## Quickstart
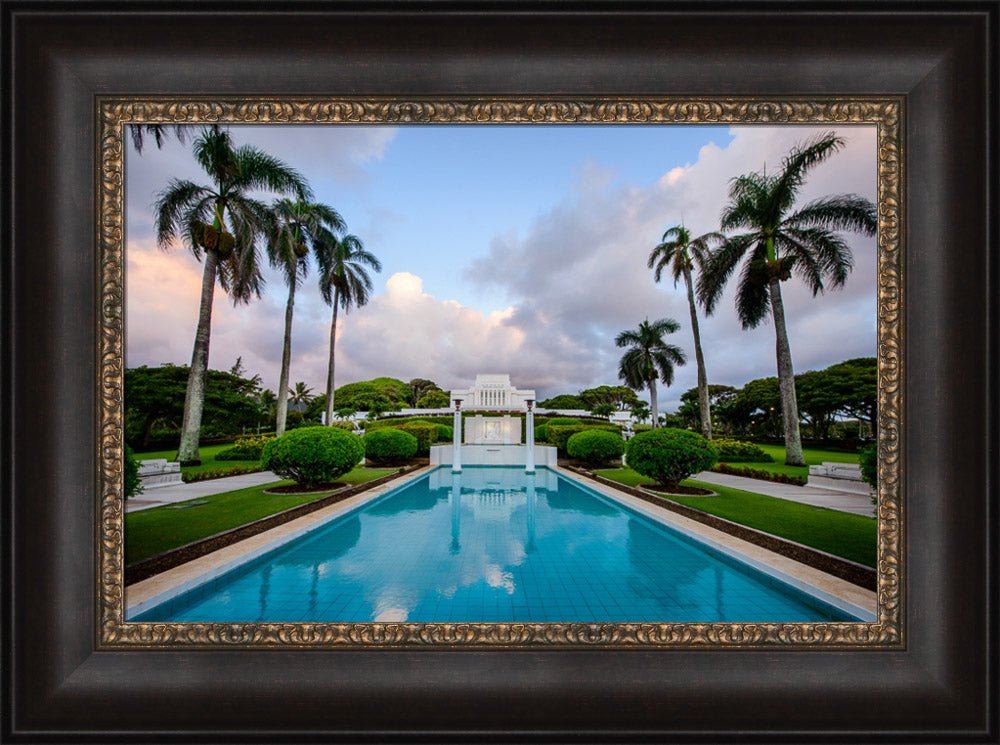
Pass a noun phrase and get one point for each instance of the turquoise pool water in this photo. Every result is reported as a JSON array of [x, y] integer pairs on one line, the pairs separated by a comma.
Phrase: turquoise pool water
[[494, 545]]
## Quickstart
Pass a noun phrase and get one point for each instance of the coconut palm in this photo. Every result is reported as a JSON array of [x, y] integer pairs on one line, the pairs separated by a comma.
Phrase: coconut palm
[[300, 394], [298, 227], [221, 224], [779, 243], [343, 283], [649, 357], [677, 249]]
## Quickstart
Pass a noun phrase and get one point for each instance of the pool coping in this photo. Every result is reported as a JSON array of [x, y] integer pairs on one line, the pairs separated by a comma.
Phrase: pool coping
[[840, 593]]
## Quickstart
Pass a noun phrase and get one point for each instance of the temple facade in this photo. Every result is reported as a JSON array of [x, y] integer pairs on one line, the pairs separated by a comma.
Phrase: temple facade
[[493, 391]]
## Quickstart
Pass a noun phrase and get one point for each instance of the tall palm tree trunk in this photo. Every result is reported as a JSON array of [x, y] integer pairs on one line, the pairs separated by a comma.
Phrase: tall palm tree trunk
[[286, 356], [329, 370], [652, 403], [786, 380], [704, 405], [194, 398]]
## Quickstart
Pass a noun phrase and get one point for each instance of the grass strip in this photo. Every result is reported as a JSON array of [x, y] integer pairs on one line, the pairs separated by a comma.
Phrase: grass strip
[[153, 531], [813, 457], [843, 534]]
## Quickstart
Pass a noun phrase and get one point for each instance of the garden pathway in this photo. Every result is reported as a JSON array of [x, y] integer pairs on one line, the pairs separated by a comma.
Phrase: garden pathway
[[829, 498], [161, 495]]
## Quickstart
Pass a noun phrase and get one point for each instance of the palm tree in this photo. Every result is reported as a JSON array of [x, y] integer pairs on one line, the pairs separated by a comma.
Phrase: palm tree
[[649, 357], [343, 282], [157, 131], [780, 242], [300, 394], [298, 227], [200, 216], [679, 251]]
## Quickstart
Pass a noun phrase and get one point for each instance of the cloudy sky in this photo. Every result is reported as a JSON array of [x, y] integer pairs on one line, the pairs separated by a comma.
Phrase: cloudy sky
[[516, 249]]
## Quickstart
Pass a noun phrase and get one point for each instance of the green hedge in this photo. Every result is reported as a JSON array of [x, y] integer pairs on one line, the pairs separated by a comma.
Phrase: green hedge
[[559, 434], [313, 455], [445, 433], [389, 446], [595, 447]]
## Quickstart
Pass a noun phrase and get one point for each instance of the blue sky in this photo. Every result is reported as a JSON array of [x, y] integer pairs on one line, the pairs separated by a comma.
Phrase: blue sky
[[517, 249]]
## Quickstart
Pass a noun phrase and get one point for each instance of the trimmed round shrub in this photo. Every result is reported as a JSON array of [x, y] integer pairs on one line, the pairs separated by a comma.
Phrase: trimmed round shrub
[[540, 433], [130, 471], [595, 447], [445, 433], [669, 455], [738, 451], [313, 455], [389, 446], [559, 434]]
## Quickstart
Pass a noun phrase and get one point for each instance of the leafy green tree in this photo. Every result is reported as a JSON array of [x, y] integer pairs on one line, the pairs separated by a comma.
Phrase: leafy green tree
[[300, 227], [434, 400], [640, 411], [154, 398], [344, 282], [778, 243], [563, 401], [649, 357], [859, 378], [200, 216], [762, 397], [267, 404], [678, 250], [603, 410], [619, 396], [418, 388], [820, 396]]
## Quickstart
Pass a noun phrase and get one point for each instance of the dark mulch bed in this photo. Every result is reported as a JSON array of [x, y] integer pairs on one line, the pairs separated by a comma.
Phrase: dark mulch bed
[[683, 491], [296, 489]]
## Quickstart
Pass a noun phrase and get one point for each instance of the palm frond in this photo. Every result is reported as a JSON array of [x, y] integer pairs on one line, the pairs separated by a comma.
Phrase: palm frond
[[170, 207], [839, 212], [719, 266], [752, 296]]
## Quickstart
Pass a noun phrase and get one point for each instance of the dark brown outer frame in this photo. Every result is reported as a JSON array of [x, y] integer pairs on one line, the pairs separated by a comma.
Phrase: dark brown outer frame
[[57, 58]]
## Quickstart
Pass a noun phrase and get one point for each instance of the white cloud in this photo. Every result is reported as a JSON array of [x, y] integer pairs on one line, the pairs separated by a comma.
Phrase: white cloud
[[573, 278]]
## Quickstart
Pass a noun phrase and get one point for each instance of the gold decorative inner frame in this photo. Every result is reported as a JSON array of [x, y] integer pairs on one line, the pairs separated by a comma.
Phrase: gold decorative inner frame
[[114, 115]]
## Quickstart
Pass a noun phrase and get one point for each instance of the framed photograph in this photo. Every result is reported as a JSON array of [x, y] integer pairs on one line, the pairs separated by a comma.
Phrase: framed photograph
[[920, 85]]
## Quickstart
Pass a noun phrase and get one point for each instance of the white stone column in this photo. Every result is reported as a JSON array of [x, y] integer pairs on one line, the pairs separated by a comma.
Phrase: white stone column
[[456, 455], [529, 438]]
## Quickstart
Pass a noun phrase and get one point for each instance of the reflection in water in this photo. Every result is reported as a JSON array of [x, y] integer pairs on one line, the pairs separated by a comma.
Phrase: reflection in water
[[488, 544]]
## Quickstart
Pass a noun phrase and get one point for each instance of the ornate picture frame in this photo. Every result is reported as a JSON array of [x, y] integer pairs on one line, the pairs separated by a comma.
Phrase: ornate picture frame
[[115, 115], [73, 670]]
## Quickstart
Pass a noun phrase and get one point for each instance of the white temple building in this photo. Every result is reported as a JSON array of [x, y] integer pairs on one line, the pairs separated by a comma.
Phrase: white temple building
[[493, 391]]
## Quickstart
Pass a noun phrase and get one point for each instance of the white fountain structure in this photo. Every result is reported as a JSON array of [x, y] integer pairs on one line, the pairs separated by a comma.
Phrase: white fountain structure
[[493, 440]]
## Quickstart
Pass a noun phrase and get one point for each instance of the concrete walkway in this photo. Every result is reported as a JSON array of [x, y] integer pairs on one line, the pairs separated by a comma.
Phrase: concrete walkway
[[161, 495], [835, 500]]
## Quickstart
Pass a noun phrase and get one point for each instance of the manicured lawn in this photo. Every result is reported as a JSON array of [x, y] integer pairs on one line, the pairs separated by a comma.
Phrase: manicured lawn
[[208, 461], [850, 536], [813, 457], [149, 532]]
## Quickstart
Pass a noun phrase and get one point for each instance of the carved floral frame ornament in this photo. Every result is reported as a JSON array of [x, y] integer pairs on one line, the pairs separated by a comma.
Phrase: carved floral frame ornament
[[115, 114]]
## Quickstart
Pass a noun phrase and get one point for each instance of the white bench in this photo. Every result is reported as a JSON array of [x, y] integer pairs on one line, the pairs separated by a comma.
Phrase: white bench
[[159, 472], [839, 477]]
